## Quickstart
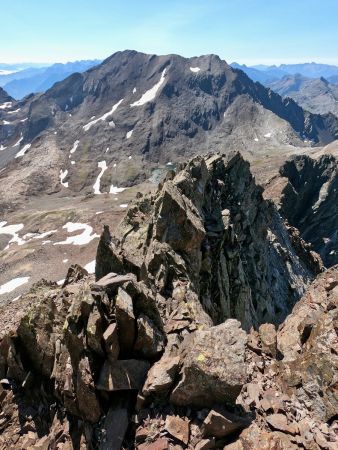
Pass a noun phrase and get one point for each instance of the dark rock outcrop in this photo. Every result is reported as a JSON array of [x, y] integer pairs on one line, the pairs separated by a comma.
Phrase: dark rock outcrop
[[209, 237], [308, 200]]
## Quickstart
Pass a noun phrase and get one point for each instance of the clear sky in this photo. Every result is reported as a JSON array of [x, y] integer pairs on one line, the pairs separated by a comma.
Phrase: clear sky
[[246, 31]]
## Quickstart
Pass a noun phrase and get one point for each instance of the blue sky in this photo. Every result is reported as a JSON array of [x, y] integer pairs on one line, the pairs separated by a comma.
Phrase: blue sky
[[246, 31]]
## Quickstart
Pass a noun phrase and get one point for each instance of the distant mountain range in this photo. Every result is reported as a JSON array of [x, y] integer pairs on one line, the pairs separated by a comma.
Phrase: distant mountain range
[[268, 74], [314, 94], [21, 80], [313, 86]]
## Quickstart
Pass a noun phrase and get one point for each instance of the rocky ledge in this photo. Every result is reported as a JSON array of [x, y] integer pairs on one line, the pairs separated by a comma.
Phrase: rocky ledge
[[176, 343]]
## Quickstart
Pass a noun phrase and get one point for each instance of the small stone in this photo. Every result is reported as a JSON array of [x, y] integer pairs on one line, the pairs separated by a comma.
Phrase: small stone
[[42, 444], [141, 434], [159, 444], [279, 422], [206, 444], [218, 425], [177, 427]]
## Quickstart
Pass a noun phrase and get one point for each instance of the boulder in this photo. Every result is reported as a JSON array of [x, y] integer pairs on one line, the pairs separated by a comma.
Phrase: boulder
[[214, 368], [268, 338], [161, 376]]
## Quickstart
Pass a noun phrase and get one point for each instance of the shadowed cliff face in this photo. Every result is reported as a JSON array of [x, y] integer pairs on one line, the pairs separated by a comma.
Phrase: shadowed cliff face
[[309, 200], [209, 227]]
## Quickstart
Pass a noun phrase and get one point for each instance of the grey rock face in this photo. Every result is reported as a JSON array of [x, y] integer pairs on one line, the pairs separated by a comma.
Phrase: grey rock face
[[308, 201]]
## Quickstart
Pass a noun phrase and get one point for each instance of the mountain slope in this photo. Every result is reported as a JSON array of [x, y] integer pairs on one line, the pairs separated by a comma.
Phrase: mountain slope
[[135, 112], [313, 94]]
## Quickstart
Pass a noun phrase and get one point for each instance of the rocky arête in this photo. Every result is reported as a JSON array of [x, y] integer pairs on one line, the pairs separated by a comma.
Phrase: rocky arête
[[192, 335]]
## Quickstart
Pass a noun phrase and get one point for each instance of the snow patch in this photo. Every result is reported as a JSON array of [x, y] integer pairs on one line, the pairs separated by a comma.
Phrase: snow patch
[[256, 139], [13, 284], [134, 90], [124, 205], [63, 174], [268, 135], [115, 190], [60, 282], [15, 111], [90, 267], [2, 147], [104, 117], [75, 146], [151, 93], [19, 142], [128, 135], [80, 239], [65, 260], [6, 105], [72, 163], [23, 150], [195, 69], [103, 166], [12, 230]]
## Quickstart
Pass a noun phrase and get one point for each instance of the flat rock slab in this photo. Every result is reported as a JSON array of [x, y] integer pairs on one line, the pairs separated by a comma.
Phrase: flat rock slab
[[111, 280], [125, 374]]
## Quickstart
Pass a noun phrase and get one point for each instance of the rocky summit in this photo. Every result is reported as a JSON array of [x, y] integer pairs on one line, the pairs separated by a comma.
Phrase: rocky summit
[[209, 324]]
